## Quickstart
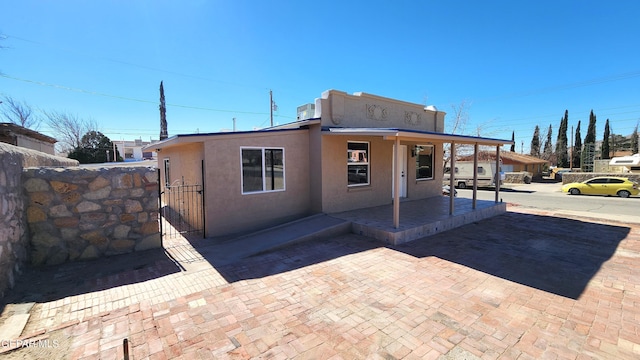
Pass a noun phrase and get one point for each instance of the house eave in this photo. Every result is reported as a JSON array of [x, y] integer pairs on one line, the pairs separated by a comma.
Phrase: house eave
[[415, 135]]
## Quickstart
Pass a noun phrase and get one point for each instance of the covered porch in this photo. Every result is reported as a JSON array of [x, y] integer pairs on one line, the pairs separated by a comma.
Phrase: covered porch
[[428, 216], [419, 218]]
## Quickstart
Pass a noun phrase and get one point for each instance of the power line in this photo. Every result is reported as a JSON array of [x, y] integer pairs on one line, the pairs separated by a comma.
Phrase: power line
[[89, 92], [72, 51]]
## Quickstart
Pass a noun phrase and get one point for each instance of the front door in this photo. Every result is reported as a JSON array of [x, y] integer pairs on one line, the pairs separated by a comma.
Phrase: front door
[[402, 158]]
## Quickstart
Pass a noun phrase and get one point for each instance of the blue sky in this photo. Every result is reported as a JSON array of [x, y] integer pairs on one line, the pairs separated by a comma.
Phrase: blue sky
[[516, 64]]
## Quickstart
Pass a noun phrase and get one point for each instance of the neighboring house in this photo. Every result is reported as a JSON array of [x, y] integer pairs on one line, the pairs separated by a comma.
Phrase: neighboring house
[[17, 135], [131, 150], [358, 151], [514, 162]]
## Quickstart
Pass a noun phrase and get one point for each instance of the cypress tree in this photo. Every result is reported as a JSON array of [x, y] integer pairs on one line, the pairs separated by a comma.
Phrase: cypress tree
[[605, 142], [548, 147], [562, 157], [634, 140], [577, 148], [163, 115], [535, 143], [590, 138], [588, 148], [513, 138]]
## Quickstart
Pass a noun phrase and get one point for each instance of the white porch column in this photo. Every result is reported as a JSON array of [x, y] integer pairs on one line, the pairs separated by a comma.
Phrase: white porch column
[[497, 174], [396, 184], [452, 177], [475, 176]]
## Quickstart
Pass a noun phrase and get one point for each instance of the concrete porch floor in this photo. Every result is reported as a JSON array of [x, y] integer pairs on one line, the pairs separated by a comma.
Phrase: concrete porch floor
[[418, 218]]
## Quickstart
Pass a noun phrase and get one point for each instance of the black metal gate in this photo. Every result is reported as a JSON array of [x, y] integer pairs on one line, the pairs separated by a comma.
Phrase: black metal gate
[[181, 210]]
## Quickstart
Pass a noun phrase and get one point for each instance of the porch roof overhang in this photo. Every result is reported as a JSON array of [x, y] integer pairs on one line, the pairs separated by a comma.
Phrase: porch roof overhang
[[415, 135]]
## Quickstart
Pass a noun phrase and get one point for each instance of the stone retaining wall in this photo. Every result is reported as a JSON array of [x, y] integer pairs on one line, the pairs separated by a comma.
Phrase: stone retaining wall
[[78, 214], [580, 176], [14, 239], [518, 177]]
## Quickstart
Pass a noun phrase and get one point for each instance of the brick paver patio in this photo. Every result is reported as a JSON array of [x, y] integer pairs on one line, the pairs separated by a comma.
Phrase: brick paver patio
[[517, 286]]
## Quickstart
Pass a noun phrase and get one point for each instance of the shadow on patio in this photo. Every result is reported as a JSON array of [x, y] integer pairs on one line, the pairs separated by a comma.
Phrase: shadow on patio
[[552, 254], [50, 283]]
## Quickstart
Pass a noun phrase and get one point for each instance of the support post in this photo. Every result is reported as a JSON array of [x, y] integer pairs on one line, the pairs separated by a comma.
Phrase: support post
[[396, 184], [497, 174], [475, 176], [452, 177]]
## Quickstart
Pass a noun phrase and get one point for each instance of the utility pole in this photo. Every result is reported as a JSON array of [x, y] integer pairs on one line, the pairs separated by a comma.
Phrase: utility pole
[[271, 105], [234, 124]]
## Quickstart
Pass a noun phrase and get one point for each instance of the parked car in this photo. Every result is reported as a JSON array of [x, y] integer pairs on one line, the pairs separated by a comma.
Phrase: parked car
[[603, 185], [558, 173], [446, 191]]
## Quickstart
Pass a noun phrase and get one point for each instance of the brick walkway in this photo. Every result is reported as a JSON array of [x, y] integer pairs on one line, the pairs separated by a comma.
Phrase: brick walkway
[[517, 286]]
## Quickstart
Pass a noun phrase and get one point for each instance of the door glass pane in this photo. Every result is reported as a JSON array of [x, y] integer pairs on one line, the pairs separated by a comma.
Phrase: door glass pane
[[251, 170]]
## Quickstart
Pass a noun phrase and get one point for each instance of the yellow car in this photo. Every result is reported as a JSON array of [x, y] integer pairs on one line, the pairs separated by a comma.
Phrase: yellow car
[[604, 185]]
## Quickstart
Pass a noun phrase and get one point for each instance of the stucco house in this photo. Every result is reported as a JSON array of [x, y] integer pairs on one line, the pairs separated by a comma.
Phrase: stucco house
[[131, 150], [358, 151], [21, 136], [514, 162]]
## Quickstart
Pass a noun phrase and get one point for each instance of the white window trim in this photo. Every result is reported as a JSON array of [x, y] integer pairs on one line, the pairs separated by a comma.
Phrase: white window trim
[[433, 163], [264, 169], [368, 163], [167, 177]]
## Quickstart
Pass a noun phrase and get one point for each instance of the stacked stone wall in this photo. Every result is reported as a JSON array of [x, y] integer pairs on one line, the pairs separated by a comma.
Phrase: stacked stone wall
[[580, 176], [14, 239], [518, 177], [82, 213]]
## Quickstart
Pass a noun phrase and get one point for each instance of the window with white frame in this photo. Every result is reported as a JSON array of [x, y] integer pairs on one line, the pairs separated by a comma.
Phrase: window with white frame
[[262, 169], [424, 162], [357, 163], [167, 177]]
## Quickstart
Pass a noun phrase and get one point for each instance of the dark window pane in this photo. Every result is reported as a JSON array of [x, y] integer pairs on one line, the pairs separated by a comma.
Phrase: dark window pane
[[358, 174], [251, 170], [274, 169], [424, 162]]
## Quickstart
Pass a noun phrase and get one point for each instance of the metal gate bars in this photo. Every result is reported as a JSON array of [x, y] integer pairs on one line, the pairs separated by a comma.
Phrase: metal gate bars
[[181, 210]]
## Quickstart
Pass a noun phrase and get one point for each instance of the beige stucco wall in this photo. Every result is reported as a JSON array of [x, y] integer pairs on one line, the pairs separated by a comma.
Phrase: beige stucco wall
[[229, 211], [315, 168], [185, 163], [338, 196], [34, 144], [424, 188], [337, 108]]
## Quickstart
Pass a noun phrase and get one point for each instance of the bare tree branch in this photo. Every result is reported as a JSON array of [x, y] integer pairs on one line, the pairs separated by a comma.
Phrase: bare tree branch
[[68, 129], [19, 113]]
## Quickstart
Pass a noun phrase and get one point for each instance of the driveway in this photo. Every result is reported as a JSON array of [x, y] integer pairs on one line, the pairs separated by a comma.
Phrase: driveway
[[517, 286]]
